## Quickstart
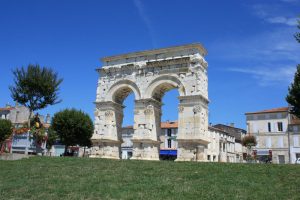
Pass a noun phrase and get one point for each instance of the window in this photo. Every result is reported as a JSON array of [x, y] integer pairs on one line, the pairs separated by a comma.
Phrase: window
[[208, 157], [169, 132], [129, 154], [269, 126], [169, 143], [279, 125]]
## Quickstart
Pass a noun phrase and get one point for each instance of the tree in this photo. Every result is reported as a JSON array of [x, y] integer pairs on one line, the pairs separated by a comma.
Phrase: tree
[[52, 138], [5, 129], [73, 127], [35, 87], [249, 141], [293, 97], [297, 35]]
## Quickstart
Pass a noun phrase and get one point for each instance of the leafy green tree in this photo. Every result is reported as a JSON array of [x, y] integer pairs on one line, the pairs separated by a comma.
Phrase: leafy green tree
[[5, 129], [35, 87], [297, 35], [52, 137], [293, 97], [73, 127], [249, 141]]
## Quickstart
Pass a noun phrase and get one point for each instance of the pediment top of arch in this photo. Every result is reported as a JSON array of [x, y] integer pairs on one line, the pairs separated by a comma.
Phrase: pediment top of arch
[[187, 49]]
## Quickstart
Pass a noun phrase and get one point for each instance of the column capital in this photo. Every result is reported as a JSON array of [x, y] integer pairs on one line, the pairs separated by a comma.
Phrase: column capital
[[148, 101], [105, 105], [193, 99]]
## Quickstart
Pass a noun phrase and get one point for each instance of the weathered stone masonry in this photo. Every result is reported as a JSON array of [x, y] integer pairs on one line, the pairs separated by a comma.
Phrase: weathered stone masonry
[[149, 74]]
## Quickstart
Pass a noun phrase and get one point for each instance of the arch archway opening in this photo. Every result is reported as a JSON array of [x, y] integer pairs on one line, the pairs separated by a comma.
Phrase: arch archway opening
[[161, 90], [121, 94], [167, 94], [125, 96]]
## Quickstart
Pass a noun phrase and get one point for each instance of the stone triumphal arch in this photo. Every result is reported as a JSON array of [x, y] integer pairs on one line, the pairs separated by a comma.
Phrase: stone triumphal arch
[[149, 74]]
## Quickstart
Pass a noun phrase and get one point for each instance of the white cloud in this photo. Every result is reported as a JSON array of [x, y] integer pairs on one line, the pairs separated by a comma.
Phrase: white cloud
[[283, 20], [268, 75], [276, 13], [270, 46], [145, 18], [272, 55]]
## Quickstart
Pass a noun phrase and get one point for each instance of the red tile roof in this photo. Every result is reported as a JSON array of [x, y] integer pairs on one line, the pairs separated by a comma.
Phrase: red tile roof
[[171, 124], [7, 108], [274, 110]]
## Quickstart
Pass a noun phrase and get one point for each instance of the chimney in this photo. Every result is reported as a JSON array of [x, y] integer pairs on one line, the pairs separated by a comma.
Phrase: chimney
[[231, 124]]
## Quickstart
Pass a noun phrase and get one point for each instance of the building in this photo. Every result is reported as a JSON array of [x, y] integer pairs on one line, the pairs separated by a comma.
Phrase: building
[[126, 146], [18, 115], [275, 140], [238, 134], [169, 144], [294, 131], [22, 143], [221, 148]]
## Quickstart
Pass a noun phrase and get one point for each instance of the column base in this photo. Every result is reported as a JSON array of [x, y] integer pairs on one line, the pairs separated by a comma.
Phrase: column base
[[109, 150], [145, 151], [190, 151]]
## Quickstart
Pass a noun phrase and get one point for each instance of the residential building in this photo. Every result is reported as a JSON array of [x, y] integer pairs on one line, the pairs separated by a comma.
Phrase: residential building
[[238, 134], [275, 140], [222, 147], [18, 115], [126, 146], [22, 143], [294, 131]]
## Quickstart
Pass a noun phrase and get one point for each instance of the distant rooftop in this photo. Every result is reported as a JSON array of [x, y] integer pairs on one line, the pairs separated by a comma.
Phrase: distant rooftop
[[7, 109], [168, 124], [273, 110]]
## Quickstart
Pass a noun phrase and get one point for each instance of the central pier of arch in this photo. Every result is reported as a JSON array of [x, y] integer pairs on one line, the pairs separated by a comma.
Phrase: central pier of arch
[[149, 74]]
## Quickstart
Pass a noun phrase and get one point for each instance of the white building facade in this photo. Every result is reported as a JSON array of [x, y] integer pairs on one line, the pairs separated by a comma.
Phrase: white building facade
[[275, 140], [222, 146]]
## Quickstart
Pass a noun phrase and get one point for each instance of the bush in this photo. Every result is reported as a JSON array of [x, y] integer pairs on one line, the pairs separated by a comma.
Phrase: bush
[[249, 140], [5, 129], [73, 127]]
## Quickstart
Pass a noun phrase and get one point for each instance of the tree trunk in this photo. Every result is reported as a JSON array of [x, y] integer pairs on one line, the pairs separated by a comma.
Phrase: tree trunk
[[29, 117], [83, 152], [65, 153]]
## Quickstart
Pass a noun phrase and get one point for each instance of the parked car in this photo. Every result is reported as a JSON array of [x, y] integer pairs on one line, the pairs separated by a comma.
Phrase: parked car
[[297, 161]]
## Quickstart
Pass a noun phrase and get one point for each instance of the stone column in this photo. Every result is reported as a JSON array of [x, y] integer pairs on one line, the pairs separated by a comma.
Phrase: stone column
[[145, 140], [192, 128], [107, 136]]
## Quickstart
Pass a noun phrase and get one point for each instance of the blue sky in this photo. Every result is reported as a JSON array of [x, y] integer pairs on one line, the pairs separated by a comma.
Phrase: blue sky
[[252, 54]]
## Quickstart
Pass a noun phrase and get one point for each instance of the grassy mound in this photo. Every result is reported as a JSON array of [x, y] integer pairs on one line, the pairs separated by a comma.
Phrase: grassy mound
[[83, 178]]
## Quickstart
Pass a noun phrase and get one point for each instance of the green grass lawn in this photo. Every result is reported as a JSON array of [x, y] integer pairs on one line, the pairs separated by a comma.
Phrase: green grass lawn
[[78, 178]]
